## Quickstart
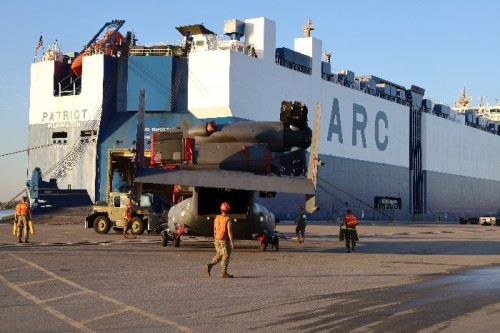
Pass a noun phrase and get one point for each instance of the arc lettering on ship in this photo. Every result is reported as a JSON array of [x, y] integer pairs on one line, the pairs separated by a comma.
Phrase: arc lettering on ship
[[359, 124], [66, 115]]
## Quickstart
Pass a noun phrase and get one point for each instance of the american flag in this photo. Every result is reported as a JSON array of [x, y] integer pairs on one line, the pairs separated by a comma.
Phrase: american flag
[[39, 44]]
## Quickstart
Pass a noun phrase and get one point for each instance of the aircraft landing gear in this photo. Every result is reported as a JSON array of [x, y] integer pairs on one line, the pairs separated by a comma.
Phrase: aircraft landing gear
[[166, 237], [274, 243], [177, 239]]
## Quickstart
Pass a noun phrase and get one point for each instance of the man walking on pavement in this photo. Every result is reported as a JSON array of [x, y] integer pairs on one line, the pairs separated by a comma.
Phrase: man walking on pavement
[[223, 235], [300, 222], [22, 217], [127, 223], [351, 235]]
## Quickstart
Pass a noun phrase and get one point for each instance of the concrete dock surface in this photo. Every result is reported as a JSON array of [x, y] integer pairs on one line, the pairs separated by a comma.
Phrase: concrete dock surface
[[404, 277]]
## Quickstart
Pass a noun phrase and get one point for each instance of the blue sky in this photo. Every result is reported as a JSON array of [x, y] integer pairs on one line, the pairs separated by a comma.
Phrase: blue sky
[[440, 45]]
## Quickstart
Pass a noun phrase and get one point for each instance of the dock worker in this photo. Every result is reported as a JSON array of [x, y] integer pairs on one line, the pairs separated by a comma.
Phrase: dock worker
[[22, 217], [223, 235], [300, 222], [351, 235], [127, 223]]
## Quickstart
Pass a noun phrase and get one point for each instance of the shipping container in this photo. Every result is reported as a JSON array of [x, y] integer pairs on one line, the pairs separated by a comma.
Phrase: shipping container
[[286, 54], [427, 104], [394, 91], [383, 88], [443, 109], [326, 67], [293, 57], [481, 121], [346, 74], [366, 82], [402, 94], [470, 116]]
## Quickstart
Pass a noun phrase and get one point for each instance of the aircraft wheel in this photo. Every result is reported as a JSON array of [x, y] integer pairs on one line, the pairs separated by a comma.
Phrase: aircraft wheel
[[164, 239], [137, 226], [276, 244], [177, 241], [263, 245], [102, 224]]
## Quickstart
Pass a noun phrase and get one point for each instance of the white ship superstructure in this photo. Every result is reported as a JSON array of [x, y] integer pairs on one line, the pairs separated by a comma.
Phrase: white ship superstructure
[[388, 151]]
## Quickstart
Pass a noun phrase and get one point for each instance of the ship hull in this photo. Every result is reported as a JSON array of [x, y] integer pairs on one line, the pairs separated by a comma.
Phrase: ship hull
[[386, 157]]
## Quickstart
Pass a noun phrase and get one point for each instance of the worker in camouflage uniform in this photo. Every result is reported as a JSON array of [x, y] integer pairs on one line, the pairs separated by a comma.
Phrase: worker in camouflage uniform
[[22, 217], [127, 223], [300, 222], [351, 234], [223, 235]]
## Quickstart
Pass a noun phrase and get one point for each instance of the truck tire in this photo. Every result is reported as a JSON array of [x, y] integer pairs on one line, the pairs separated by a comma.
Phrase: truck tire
[[102, 224], [137, 226]]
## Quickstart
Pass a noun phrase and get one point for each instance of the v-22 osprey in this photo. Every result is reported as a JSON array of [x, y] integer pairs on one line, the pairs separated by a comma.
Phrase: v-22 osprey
[[231, 163]]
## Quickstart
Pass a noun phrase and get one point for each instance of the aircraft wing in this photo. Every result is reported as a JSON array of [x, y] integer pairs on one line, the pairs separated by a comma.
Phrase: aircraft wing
[[225, 179]]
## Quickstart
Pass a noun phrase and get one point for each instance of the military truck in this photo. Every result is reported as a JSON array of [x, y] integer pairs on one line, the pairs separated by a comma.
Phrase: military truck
[[147, 214]]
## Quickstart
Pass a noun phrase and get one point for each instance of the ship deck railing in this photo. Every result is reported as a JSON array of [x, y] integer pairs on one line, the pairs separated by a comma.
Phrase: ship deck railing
[[467, 123], [343, 82], [293, 66]]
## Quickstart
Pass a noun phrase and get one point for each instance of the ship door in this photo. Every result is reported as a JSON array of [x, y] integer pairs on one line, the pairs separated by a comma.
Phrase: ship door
[[121, 170]]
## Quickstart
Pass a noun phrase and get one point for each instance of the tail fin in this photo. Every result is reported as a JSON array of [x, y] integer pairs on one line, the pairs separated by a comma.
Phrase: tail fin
[[314, 161]]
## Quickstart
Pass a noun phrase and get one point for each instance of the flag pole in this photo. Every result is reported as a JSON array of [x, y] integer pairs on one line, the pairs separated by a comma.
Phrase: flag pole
[[38, 45]]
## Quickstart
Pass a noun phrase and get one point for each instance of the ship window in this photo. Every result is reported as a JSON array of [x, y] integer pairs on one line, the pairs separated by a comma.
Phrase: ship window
[[200, 42], [59, 135], [88, 133]]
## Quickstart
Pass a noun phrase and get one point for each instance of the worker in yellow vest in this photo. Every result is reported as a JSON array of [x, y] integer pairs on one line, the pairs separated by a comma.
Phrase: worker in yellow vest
[[22, 217]]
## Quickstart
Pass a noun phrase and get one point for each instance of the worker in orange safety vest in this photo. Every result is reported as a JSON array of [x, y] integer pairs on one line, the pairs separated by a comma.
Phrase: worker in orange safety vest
[[223, 235], [351, 235], [22, 217], [127, 223]]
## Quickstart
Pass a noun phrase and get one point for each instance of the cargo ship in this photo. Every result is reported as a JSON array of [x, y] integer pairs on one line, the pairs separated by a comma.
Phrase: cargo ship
[[389, 152]]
